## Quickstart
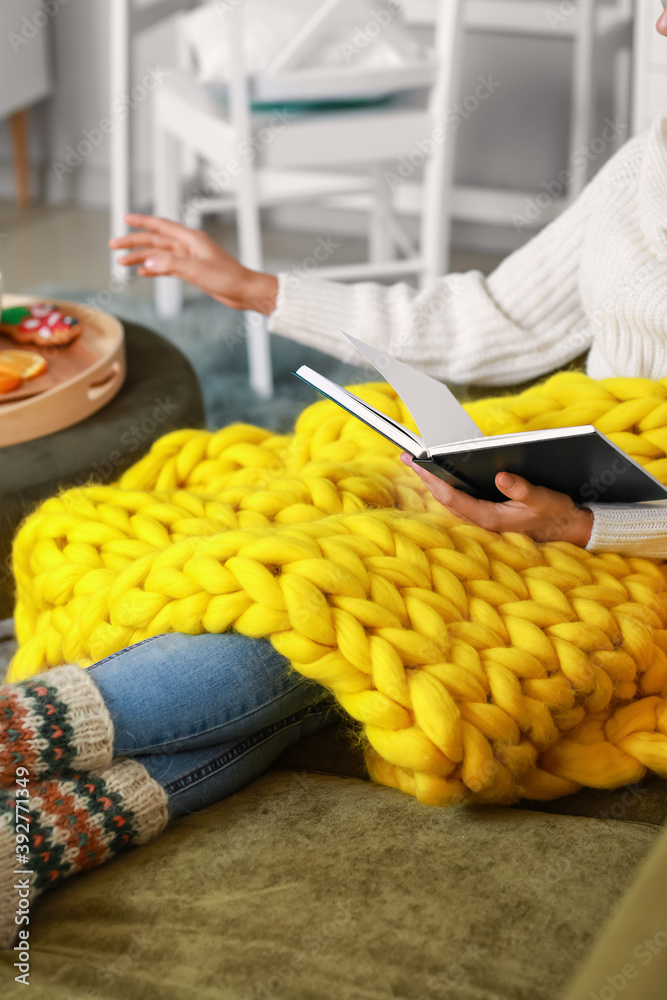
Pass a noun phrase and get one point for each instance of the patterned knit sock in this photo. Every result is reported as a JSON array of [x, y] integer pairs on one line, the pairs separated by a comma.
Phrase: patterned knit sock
[[75, 822], [55, 722]]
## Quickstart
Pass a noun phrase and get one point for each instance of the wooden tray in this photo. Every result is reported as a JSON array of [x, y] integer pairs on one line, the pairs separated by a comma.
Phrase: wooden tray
[[80, 379]]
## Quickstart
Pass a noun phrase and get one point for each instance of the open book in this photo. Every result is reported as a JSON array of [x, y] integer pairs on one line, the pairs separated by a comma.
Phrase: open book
[[579, 461]]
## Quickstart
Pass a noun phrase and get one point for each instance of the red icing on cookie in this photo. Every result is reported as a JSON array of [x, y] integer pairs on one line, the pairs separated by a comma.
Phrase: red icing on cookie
[[42, 324]]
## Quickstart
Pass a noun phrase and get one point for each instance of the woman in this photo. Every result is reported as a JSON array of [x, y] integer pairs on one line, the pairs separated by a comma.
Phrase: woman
[[193, 718]]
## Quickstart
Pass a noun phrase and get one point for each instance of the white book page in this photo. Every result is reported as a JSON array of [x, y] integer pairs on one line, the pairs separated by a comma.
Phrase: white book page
[[400, 435], [435, 410]]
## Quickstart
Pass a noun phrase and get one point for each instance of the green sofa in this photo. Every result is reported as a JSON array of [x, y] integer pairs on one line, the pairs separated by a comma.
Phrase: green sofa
[[313, 883]]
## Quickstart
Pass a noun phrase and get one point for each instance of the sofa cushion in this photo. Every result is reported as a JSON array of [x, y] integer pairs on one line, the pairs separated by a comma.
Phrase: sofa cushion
[[307, 886]]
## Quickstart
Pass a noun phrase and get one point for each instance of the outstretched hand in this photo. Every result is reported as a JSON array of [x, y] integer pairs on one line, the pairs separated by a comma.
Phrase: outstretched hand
[[543, 514], [162, 247]]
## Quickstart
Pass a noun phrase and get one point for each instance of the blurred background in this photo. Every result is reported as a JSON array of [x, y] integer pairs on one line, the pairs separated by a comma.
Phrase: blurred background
[[337, 138]]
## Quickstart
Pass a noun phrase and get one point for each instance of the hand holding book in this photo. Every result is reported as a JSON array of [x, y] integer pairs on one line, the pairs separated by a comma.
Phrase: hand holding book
[[545, 515], [579, 463]]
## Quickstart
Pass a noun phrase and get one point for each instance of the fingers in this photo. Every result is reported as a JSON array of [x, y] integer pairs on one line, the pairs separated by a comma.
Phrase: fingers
[[194, 271], [515, 487], [454, 500], [521, 491], [143, 239], [543, 514], [163, 227], [153, 263], [161, 263], [136, 257]]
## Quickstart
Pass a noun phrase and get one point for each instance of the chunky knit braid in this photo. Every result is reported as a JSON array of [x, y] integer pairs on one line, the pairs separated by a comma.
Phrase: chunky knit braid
[[482, 666]]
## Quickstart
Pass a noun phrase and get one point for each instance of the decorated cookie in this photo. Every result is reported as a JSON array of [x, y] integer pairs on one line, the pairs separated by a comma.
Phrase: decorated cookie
[[41, 324]]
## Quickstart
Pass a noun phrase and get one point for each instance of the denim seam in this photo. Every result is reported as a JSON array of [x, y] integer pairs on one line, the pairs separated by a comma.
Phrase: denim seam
[[119, 652], [237, 751]]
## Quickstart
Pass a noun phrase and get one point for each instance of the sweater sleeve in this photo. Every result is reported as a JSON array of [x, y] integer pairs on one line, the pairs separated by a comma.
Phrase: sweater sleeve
[[638, 529], [522, 321]]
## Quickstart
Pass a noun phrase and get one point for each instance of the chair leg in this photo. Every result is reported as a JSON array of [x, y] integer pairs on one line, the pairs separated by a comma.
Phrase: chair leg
[[247, 210], [120, 146], [583, 95], [259, 354], [166, 190], [18, 124], [622, 86], [380, 244], [438, 182], [250, 254]]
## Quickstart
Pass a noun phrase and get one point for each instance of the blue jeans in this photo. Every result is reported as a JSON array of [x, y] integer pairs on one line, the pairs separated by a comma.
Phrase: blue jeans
[[205, 714]]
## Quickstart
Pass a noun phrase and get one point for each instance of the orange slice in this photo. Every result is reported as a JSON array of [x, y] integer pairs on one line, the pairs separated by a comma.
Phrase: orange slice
[[9, 380], [26, 364]]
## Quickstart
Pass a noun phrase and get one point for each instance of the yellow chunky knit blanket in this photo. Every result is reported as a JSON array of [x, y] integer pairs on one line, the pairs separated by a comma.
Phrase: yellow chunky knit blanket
[[483, 667]]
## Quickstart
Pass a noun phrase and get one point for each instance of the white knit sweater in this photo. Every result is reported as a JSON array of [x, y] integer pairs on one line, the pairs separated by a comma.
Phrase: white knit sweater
[[595, 279]]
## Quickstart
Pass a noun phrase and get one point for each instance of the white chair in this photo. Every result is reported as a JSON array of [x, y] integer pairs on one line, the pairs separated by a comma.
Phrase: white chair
[[585, 24], [126, 22], [311, 159]]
